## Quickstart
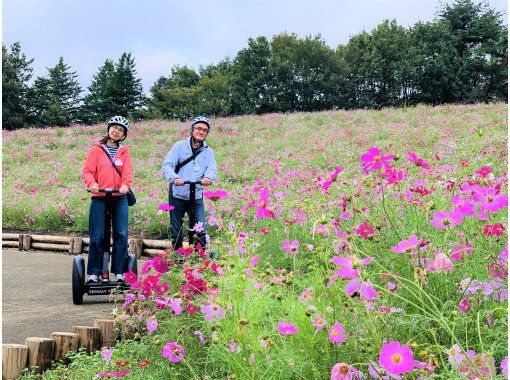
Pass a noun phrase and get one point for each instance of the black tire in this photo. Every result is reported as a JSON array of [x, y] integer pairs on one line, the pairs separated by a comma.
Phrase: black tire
[[135, 266], [78, 283]]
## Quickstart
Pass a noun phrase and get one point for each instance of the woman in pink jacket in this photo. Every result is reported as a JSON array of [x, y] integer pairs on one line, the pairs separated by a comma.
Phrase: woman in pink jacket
[[99, 172]]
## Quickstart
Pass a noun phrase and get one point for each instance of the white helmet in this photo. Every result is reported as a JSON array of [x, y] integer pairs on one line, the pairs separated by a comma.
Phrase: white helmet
[[201, 119], [119, 120]]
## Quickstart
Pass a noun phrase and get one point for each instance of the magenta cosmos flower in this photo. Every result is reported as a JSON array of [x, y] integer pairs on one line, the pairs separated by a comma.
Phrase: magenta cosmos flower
[[396, 359], [215, 195], [409, 247], [152, 324], [336, 333], [444, 219], [262, 210], [332, 177], [165, 207], [173, 352], [349, 266], [287, 328], [374, 160]]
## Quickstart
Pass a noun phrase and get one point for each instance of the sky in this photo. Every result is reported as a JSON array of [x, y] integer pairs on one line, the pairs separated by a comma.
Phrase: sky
[[164, 33]]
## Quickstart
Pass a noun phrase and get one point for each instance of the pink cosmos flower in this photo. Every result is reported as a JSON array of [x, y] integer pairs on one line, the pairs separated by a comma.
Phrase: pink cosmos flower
[[175, 305], [442, 263], [291, 247], [173, 352], [287, 328], [165, 207], [490, 199], [374, 160], [336, 333], [444, 219], [215, 195], [396, 359], [454, 355], [464, 305], [495, 229], [392, 175], [212, 312], [504, 367], [365, 289], [332, 177], [484, 171], [349, 266], [409, 247], [365, 230], [411, 156], [262, 210], [463, 205], [319, 322], [342, 371], [107, 355], [306, 296], [198, 227], [152, 324]]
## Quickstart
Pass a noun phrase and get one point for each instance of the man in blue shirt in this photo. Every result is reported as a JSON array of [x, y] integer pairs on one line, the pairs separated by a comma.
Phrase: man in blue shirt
[[178, 168]]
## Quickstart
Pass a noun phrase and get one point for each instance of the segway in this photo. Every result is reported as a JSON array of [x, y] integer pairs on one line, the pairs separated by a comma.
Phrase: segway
[[191, 215], [106, 286]]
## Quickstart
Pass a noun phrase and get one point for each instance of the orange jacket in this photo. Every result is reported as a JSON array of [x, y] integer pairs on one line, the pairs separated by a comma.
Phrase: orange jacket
[[99, 169]]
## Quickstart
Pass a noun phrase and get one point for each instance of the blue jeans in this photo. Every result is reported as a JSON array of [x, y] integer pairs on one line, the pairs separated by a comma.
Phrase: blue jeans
[[177, 214], [119, 221]]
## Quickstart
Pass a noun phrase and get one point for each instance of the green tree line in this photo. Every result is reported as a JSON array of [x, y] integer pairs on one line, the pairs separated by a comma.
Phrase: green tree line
[[461, 57]]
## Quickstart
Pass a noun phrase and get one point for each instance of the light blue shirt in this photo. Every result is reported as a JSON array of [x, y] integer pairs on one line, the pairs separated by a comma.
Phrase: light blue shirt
[[204, 165]]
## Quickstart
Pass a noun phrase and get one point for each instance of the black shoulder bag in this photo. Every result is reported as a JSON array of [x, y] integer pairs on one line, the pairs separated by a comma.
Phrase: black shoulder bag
[[130, 195]]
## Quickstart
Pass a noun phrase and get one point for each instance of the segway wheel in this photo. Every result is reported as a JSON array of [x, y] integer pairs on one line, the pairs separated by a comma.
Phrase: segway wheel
[[78, 282], [133, 263]]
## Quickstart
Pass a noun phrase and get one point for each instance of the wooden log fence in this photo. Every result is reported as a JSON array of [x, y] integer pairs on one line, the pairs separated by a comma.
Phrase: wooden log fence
[[38, 353], [76, 245]]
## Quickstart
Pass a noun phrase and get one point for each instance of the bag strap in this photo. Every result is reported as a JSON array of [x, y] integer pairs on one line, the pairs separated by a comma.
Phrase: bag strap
[[187, 160], [110, 158]]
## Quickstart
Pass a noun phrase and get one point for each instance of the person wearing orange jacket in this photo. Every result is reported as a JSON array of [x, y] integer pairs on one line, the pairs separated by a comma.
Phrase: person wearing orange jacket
[[99, 172]]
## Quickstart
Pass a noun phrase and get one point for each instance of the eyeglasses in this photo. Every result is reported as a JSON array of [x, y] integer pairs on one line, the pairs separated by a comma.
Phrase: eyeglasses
[[203, 130], [117, 128]]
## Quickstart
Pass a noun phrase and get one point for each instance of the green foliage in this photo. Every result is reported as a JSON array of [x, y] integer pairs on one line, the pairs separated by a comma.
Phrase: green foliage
[[56, 97], [16, 99]]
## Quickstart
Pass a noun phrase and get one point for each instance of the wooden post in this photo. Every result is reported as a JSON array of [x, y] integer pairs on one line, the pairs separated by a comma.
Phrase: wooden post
[[89, 337], [64, 343], [139, 248], [77, 245], [40, 353], [14, 360], [27, 240], [106, 327]]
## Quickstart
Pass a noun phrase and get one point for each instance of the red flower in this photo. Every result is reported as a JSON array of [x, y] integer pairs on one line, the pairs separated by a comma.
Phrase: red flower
[[121, 363], [143, 363]]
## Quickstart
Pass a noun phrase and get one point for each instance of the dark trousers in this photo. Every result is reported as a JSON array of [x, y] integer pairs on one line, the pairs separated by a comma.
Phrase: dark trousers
[[181, 207], [119, 214]]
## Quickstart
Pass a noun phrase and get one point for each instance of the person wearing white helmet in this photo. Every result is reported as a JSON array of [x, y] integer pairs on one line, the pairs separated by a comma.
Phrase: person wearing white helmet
[[193, 160], [108, 165]]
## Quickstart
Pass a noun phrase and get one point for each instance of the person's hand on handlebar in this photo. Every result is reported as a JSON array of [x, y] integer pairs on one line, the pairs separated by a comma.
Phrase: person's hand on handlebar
[[178, 182], [205, 181], [123, 189], [94, 189]]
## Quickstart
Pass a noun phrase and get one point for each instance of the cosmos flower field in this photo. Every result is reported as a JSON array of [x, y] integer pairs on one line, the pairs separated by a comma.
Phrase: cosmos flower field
[[343, 245]]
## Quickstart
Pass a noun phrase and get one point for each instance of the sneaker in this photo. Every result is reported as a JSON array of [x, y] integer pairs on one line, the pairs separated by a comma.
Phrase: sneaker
[[93, 279], [119, 277]]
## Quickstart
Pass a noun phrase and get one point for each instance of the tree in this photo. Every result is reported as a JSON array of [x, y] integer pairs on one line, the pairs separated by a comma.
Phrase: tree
[[99, 103], [435, 63], [127, 91], [250, 78], [57, 97], [478, 31], [16, 100]]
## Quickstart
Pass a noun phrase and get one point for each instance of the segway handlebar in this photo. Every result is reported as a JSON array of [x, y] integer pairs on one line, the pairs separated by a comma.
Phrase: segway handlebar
[[107, 190], [192, 182]]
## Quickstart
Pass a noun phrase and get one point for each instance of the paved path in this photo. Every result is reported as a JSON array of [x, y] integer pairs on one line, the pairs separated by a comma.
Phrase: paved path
[[37, 296]]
